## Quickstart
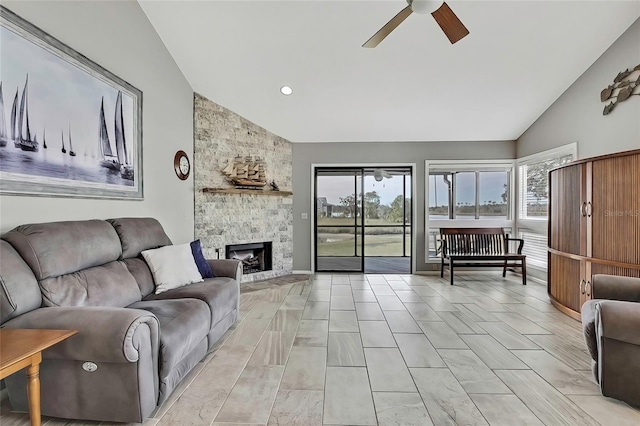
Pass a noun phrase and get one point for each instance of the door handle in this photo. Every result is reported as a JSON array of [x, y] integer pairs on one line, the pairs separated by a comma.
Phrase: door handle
[[587, 288], [589, 209], [583, 284], [583, 209]]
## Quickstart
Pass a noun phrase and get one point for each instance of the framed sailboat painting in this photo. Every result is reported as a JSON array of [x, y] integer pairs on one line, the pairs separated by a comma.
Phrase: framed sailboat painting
[[68, 127]]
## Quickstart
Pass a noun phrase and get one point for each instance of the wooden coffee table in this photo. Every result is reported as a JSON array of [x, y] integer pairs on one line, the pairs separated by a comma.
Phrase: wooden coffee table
[[21, 348]]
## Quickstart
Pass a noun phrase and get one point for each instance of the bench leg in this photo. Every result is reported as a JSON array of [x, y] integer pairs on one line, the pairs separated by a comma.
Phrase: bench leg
[[504, 269], [524, 272], [441, 268], [451, 271]]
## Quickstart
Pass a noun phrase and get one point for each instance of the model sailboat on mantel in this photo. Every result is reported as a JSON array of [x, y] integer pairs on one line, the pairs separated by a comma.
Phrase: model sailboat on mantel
[[120, 161], [246, 172]]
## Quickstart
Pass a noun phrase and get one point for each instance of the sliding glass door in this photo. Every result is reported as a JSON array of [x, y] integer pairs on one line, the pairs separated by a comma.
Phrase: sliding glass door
[[363, 220], [338, 220]]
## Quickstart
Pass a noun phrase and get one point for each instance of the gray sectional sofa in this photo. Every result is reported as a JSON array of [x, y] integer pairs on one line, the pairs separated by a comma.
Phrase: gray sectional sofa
[[89, 276]]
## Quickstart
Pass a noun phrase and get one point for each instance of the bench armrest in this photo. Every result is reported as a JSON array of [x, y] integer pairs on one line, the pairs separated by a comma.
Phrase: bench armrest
[[105, 334], [613, 287], [520, 245], [443, 248], [231, 268]]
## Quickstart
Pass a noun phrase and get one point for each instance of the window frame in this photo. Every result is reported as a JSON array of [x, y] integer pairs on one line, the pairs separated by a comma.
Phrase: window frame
[[538, 225], [469, 165]]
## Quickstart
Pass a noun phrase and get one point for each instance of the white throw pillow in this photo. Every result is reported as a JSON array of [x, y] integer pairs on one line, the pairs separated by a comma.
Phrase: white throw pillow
[[172, 267]]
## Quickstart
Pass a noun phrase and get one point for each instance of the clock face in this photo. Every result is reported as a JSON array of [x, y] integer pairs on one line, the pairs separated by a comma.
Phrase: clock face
[[184, 165]]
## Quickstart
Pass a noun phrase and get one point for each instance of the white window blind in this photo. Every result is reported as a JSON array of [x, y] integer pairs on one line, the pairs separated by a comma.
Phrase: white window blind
[[533, 201], [535, 248]]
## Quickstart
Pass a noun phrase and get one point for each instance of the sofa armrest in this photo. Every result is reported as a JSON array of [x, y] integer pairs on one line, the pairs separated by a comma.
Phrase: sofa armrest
[[612, 287], [231, 268], [105, 334], [588, 314], [618, 320]]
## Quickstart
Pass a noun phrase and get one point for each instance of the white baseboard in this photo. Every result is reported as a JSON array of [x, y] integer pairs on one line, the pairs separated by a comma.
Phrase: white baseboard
[[302, 272]]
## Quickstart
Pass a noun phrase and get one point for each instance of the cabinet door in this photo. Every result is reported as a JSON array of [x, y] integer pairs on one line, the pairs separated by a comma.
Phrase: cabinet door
[[565, 281], [614, 209], [567, 209]]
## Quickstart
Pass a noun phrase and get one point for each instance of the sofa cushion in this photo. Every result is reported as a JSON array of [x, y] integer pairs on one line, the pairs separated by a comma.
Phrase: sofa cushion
[[58, 248], [221, 294], [139, 233], [141, 272], [172, 267], [19, 291], [183, 325], [110, 284]]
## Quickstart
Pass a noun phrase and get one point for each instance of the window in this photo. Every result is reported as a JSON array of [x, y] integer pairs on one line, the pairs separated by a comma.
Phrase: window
[[467, 194], [477, 195], [533, 201], [534, 186]]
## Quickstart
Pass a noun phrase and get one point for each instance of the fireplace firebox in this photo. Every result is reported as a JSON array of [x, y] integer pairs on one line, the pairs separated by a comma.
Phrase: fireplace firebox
[[255, 257]]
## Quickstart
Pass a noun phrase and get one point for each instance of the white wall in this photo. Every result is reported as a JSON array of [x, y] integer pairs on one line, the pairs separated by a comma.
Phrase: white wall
[[118, 36], [577, 115]]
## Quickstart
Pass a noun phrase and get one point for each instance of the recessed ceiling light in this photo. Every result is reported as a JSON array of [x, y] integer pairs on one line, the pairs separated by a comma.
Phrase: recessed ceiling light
[[286, 90]]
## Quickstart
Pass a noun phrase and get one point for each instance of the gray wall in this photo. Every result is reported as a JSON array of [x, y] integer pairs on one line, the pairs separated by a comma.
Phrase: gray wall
[[118, 36], [577, 115], [306, 154]]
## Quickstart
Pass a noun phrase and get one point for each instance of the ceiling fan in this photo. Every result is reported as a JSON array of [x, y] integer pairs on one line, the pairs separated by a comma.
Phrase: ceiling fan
[[453, 28], [379, 174]]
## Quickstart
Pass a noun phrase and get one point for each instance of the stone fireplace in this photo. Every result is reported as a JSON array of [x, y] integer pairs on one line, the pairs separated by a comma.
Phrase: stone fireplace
[[223, 219], [255, 257]]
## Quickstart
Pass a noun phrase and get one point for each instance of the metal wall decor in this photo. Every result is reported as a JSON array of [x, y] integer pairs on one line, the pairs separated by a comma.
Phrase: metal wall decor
[[625, 85]]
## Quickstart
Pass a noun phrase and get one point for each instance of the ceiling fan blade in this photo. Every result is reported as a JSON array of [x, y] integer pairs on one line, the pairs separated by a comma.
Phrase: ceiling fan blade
[[453, 28], [389, 26]]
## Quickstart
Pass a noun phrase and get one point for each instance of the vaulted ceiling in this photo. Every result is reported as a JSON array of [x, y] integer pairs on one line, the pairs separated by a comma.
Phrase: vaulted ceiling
[[519, 58]]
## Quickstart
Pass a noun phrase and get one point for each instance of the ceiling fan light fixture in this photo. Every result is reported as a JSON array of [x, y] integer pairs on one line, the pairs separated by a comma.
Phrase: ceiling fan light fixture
[[286, 90], [425, 6]]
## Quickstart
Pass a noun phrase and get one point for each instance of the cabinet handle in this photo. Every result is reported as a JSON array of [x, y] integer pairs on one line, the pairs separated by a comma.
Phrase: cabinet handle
[[587, 288], [583, 209], [583, 284], [589, 209]]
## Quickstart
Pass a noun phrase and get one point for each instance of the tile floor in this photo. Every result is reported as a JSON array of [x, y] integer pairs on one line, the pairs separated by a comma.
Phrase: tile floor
[[392, 350]]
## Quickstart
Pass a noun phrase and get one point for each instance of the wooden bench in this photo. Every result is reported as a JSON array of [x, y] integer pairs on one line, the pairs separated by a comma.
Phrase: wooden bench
[[480, 247]]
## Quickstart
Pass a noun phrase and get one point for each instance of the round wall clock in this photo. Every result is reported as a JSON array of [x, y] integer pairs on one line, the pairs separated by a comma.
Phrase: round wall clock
[[181, 165]]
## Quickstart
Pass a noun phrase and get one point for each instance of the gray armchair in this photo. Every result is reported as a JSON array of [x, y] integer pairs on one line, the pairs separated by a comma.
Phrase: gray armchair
[[611, 322]]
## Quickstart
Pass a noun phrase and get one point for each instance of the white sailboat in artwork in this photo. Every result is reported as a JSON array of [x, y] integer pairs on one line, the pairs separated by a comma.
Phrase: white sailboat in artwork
[[126, 171], [3, 123], [120, 161], [26, 142], [71, 151], [14, 121], [108, 160]]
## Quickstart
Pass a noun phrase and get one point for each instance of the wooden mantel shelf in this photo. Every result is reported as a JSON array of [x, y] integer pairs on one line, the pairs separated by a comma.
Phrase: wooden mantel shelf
[[246, 191]]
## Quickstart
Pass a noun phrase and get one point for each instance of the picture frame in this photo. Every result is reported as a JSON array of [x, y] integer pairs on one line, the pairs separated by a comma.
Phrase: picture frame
[[72, 129]]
